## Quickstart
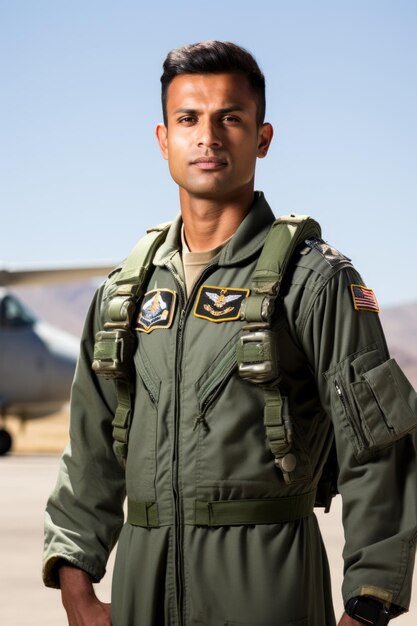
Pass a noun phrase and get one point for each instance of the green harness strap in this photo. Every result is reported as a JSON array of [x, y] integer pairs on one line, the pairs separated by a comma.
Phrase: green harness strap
[[257, 349], [115, 345], [257, 354]]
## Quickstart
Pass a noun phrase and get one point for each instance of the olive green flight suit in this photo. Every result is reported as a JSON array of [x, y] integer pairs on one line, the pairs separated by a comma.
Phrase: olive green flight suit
[[199, 463]]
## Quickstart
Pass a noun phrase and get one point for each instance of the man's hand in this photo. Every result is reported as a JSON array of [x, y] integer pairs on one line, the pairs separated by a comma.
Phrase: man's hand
[[80, 602], [348, 621]]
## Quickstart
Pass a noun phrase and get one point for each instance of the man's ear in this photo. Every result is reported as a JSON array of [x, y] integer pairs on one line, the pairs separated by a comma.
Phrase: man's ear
[[162, 137], [265, 134]]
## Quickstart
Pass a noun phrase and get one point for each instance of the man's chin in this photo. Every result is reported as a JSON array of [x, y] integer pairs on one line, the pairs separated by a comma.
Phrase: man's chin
[[210, 195]]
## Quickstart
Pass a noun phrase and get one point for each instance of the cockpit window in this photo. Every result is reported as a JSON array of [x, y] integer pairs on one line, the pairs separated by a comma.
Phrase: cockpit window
[[13, 314]]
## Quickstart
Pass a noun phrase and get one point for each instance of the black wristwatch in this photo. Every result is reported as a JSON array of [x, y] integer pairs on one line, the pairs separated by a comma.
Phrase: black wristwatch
[[367, 610]]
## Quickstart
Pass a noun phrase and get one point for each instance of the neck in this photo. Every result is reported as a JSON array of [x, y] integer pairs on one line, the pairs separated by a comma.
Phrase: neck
[[208, 223]]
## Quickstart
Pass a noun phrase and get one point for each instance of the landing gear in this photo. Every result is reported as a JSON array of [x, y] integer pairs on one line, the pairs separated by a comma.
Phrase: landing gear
[[5, 441]]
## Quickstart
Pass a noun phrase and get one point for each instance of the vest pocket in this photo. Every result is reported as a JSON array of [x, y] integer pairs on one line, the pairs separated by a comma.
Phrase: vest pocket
[[148, 375], [213, 381]]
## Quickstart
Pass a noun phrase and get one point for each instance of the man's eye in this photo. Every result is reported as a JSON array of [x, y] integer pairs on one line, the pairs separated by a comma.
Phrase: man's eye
[[186, 119], [230, 119]]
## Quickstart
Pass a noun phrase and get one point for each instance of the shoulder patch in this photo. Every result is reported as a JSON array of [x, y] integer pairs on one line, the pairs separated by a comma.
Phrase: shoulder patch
[[157, 310], [364, 299], [219, 304], [330, 254]]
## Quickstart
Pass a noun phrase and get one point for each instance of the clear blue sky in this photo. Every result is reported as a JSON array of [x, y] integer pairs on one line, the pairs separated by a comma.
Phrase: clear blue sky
[[80, 172]]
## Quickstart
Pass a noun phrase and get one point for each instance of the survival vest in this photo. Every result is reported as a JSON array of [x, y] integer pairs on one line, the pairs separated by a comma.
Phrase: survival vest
[[257, 357]]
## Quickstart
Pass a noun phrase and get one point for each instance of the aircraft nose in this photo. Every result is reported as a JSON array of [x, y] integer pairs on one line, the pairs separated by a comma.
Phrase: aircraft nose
[[63, 350], [62, 369]]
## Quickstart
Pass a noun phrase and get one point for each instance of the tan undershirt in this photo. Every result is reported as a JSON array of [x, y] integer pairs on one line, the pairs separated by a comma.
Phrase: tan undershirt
[[195, 262]]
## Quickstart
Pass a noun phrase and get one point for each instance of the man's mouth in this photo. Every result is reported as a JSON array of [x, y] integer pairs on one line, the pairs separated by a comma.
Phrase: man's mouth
[[209, 163]]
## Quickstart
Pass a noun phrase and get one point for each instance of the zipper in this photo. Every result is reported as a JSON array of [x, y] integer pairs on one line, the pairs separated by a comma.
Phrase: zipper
[[349, 416], [143, 368], [178, 523], [178, 532], [215, 387]]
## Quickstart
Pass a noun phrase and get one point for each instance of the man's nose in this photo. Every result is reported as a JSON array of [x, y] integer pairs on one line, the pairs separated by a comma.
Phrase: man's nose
[[209, 136]]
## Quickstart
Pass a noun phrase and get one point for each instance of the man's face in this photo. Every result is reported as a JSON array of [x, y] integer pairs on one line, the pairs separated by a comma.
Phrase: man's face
[[212, 140]]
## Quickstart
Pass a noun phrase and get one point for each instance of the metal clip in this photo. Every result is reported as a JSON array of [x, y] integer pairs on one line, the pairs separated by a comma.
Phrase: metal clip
[[113, 353], [120, 312], [257, 356], [287, 462], [258, 307]]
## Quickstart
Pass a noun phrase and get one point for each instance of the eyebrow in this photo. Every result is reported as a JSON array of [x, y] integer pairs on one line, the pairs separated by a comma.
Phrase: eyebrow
[[223, 111]]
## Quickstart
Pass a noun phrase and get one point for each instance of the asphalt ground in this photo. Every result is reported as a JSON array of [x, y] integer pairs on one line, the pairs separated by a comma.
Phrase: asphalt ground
[[25, 481]]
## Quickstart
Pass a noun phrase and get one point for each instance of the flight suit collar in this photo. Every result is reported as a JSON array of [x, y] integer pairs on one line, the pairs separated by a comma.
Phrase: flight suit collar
[[247, 240]]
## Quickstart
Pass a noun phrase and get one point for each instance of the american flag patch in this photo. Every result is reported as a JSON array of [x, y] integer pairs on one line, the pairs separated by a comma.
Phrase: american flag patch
[[364, 299]]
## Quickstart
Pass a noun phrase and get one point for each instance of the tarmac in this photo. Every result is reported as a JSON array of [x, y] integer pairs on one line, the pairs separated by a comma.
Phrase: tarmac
[[26, 481]]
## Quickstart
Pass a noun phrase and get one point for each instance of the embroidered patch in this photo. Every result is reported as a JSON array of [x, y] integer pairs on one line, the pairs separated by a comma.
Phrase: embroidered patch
[[364, 299], [331, 255], [157, 310], [219, 304]]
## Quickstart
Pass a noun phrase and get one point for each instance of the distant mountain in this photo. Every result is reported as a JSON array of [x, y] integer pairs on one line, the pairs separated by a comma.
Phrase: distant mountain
[[66, 306], [63, 305]]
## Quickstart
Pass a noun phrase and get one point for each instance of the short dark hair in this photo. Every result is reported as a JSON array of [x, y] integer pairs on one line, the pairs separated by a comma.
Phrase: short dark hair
[[214, 57]]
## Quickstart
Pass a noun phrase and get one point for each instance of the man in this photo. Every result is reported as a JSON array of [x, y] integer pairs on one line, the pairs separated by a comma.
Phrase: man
[[218, 533]]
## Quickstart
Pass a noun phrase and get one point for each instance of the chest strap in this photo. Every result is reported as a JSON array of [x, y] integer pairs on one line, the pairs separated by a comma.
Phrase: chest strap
[[257, 352], [116, 344]]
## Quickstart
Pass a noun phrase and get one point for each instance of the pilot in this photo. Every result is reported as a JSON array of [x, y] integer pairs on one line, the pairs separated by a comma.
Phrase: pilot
[[240, 363]]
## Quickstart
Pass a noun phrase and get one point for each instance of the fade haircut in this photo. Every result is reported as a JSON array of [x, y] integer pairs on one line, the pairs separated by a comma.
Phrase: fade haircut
[[214, 57]]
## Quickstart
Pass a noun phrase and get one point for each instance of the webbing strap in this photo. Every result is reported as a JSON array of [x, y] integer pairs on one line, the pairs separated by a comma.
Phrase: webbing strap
[[273, 421], [262, 511], [140, 259], [107, 350], [131, 279], [142, 514], [227, 512], [122, 417], [284, 236]]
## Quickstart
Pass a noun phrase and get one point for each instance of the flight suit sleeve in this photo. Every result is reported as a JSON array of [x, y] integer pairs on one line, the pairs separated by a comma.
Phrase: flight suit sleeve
[[84, 513], [373, 408]]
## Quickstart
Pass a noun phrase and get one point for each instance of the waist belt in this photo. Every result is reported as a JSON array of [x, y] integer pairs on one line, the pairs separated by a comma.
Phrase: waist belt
[[228, 512]]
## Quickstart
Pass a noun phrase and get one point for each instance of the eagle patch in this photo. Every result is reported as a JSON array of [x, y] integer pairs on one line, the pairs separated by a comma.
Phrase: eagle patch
[[157, 310], [219, 304]]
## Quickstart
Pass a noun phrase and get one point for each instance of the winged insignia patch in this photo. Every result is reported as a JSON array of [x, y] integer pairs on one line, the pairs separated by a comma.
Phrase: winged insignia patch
[[219, 304]]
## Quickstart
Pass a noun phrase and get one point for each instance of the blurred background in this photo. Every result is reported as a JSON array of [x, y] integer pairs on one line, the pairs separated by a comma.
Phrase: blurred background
[[81, 174], [81, 177]]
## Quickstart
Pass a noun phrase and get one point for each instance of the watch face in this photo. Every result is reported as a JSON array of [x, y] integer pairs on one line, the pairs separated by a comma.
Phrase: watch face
[[367, 611]]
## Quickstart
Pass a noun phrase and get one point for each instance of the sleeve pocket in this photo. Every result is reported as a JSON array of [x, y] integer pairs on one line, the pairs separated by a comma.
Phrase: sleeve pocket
[[387, 404]]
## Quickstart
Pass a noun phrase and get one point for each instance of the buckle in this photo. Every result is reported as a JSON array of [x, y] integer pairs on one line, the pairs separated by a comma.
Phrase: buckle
[[259, 307], [113, 353], [257, 356]]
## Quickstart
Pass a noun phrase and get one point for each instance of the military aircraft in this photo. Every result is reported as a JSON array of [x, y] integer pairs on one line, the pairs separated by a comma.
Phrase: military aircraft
[[37, 360]]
